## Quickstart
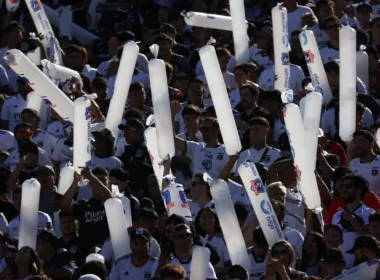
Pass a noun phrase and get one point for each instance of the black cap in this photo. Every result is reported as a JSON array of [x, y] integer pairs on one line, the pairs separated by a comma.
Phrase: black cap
[[45, 169], [133, 124], [364, 5], [366, 241], [332, 65], [333, 255], [180, 228], [265, 32], [31, 111], [49, 236], [120, 174], [13, 24], [104, 134], [141, 232], [167, 28], [146, 214], [163, 36]]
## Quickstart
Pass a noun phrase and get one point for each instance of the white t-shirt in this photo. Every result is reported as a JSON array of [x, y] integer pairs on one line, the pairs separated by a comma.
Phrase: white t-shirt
[[209, 160], [295, 18], [107, 250], [267, 78], [257, 57], [3, 223], [295, 222], [63, 153], [7, 141], [295, 238], [12, 109], [14, 159], [219, 244], [56, 129], [320, 35], [107, 163], [44, 223], [328, 53], [349, 237], [258, 268], [295, 202], [187, 266], [256, 155], [45, 141], [194, 208], [123, 269], [369, 171], [179, 119]]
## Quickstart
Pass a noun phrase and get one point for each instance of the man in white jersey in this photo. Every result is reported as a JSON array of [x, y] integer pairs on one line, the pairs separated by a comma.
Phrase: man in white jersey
[[366, 163], [138, 264], [44, 140], [259, 152], [295, 13], [331, 51], [353, 219], [13, 106], [258, 254], [209, 156], [200, 195]]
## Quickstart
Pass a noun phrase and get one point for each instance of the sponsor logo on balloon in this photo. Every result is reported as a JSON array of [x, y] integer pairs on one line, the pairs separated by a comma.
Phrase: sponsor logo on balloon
[[319, 89], [257, 186], [303, 39], [285, 40], [285, 58], [266, 207], [309, 56], [36, 5], [87, 114], [299, 173], [210, 17]]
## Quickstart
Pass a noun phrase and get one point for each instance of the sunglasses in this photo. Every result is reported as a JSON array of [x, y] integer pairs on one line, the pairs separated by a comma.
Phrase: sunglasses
[[21, 134], [279, 253], [331, 27]]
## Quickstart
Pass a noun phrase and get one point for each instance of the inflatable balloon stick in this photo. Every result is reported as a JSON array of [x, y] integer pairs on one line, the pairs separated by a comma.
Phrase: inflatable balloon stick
[[281, 48], [315, 65], [118, 228], [40, 83], [66, 179], [82, 134], [312, 116], [220, 99], [229, 223], [161, 104], [60, 73], [12, 5], [42, 106], [122, 84], [95, 12], [239, 31], [210, 21], [30, 199], [127, 211], [260, 201], [151, 142], [347, 83], [305, 174], [362, 66], [199, 263]]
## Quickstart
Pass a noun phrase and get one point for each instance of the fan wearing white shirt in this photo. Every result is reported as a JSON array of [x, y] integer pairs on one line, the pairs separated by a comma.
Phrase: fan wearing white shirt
[[44, 140], [367, 163], [353, 219], [258, 254], [209, 156], [259, 152], [200, 195], [295, 13], [331, 51]]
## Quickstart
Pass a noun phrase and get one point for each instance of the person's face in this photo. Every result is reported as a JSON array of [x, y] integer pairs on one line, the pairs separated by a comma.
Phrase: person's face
[[183, 239], [325, 11], [375, 29], [209, 132], [240, 77], [260, 250], [364, 16], [23, 133], [223, 62], [181, 82], [332, 238], [163, 16], [295, 43], [374, 229], [360, 255], [132, 135], [207, 221], [247, 99], [30, 119], [310, 245], [31, 160], [261, 42], [197, 188], [196, 92], [68, 225], [103, 179], [362, 147], [15, 35], [288, 176], [332, 29], [22, 257], [191, 120], [258, 134], [75, 61], [276, 193], [165, 47], [282, 253], [100, 90], [332, 78], [138, 97], [349, 192], [140, 247]]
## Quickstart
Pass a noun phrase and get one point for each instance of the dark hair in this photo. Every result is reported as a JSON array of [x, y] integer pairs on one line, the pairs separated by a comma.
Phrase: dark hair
[[35, 267], [200, 177], [63, 214], [373, 21], [374, 217], [253, 89], [197, 222], [100, 171], [321, 247], [359, 182], [214, 122], [324, 2], [296, 32], [247, 67], [173, 270], [28, 148], [220, 52], [259, 121], [124, 36], [81, 50], [133, 113], [198, 81], [96, 268], [372, 50], [362, 36], [289, 247], [334, 227], [366, 134], [331, 18], [258, 237], [340, 172], [191, 110], [136, 86], [176, 220], [360, 107]]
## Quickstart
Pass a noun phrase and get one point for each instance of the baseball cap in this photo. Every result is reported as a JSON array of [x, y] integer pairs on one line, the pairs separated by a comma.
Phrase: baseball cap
[[104, 134], [333, 255], [167, 28], [141, 232], [163, 36], [365, 241], [31, 111], [133, 124], [45, 169], [48, 236], [265, 32], [180, 228]]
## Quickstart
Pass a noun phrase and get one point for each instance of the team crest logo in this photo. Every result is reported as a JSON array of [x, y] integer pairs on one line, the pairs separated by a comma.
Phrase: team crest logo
[[257, 187], [36, 5], [285, 58], [219, 157], [375, 171], [207, 164], [309, 56], [266, 158]]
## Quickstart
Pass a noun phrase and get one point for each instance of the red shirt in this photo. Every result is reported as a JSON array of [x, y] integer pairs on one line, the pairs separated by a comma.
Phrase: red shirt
[[371, 200], [336, 149]]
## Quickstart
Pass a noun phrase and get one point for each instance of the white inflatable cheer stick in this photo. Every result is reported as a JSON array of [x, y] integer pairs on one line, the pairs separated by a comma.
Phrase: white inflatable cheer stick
[[239, 31], [365, 270], [66, 179], [210, 21], [199, 263], [151, 142], [42, 106]]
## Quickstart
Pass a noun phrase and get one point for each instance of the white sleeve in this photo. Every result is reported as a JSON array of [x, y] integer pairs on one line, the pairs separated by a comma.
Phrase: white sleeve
[[191, 147], [211, 272], [56, 155], [154, 267], [5, 111], [367, 118], [3, 223], [107, 250]]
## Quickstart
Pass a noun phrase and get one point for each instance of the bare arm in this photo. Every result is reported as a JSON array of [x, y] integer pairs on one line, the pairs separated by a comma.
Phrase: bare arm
[[98, 188], [226, 171]]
